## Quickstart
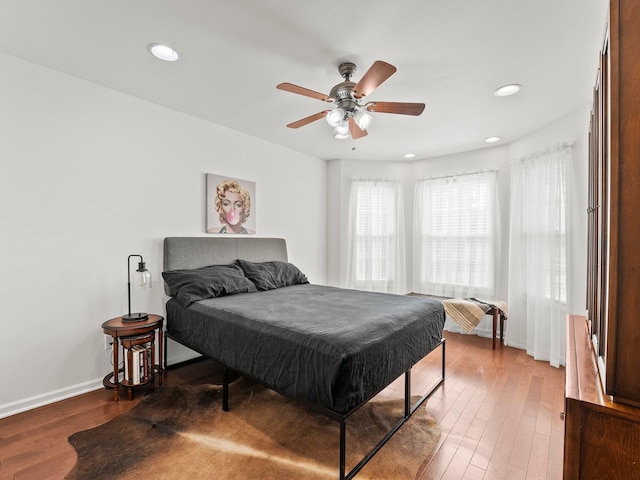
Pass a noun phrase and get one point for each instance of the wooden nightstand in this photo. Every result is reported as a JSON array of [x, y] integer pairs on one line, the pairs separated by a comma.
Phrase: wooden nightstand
[[137, 339]]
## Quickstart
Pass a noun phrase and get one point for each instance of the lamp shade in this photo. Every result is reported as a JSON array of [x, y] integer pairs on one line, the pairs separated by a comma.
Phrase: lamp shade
[[362, 118], [340, 136], [142, 276], [342, 130], [335, 116]]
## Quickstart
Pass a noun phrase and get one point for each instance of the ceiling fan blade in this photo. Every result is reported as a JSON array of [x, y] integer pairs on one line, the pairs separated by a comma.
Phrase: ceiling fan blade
[[290, 87], [355, 131], [396, 107], [377, 73], [311, 118]]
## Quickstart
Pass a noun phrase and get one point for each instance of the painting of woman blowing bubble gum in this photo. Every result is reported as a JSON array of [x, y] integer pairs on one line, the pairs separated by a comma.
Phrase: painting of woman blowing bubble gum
[[229, 205]]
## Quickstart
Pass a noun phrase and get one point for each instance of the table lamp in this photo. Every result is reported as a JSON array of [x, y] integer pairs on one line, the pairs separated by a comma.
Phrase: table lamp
[[142, 278]]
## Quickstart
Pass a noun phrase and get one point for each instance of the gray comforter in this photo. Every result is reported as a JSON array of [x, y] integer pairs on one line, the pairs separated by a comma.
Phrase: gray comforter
[[328, 346]]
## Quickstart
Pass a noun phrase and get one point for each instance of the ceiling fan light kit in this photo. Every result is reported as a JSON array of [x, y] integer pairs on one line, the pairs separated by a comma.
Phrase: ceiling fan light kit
[[349, 117]]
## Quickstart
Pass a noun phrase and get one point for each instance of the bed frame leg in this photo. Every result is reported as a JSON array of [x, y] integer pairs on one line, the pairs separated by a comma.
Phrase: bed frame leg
[[407, 393], [225, 390], [343, 449], [444, 344], [164, 360]]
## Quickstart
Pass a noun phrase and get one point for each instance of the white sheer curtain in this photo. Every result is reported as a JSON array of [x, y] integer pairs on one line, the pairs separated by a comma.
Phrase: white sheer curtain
[[456, 235], [538, 253], [376, 250]]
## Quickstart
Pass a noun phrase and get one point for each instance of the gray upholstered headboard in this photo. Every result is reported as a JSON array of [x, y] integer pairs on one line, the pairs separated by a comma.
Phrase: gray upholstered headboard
[[195, 252]]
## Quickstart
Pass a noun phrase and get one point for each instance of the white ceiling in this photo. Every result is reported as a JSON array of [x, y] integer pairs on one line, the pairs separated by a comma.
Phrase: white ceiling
[[450, 54]]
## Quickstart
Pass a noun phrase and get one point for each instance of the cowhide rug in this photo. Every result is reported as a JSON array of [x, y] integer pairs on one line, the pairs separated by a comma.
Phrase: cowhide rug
[[181, 432]]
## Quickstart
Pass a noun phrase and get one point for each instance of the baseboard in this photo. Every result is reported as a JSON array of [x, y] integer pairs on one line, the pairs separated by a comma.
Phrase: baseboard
[[26, 404], [41, 400], [480, 332]]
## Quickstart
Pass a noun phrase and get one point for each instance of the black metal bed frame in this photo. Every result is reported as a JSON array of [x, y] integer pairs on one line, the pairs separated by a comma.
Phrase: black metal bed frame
[[342, 418]]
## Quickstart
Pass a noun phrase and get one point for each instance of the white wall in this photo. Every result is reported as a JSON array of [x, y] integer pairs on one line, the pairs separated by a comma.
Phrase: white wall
[[89, 176]]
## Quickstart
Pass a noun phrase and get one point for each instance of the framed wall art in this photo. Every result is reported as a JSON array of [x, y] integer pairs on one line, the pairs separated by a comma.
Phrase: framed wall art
[[230, 205]]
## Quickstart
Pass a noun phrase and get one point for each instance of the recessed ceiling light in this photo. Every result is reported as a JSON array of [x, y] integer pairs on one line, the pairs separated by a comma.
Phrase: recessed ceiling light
[[506, 90], [409, 155], [492, 139], [163, 52]]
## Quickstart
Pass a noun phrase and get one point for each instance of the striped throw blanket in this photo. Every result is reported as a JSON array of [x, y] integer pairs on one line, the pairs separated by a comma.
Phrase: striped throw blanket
[[469, 311]]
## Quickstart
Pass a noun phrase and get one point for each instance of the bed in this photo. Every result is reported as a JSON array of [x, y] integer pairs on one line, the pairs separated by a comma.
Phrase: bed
[[239, 301]]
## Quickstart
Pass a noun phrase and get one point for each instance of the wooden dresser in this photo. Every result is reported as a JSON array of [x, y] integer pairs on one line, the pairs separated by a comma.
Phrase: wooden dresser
[[602, 437]]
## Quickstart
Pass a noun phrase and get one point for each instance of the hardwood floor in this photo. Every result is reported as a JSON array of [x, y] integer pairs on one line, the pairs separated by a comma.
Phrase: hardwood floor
[[499, 412]]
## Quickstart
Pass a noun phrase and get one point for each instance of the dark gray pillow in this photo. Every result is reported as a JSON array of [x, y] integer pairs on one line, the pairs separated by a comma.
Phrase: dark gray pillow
[[272, 275], [188, 286]]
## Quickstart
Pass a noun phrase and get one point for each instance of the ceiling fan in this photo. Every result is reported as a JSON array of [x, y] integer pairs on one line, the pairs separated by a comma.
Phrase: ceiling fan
[[349, 116]]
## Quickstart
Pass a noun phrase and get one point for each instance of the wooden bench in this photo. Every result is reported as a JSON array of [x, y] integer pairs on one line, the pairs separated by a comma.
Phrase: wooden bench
[[494, 312]]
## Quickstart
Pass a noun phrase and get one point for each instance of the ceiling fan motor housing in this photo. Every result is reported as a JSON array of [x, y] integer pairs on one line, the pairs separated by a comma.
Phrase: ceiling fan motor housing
[[342, 95]]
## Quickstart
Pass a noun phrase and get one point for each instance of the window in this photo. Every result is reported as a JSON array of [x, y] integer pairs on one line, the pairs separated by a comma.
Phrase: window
[[376, 243], [456, 235]]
